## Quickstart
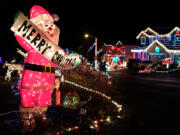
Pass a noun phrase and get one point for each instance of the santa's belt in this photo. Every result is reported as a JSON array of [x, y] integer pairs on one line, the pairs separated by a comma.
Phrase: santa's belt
[[39, 68]]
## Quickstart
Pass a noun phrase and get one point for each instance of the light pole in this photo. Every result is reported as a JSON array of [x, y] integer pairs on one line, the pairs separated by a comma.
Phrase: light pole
[[96, 58], [95, 51]]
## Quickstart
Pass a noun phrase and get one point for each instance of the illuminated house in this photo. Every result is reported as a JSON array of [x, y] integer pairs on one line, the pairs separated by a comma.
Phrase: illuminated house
[[114, 56], [156, 47]]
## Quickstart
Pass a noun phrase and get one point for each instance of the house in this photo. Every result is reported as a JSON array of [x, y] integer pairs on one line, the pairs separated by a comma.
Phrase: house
[[128, 48], [156, 47], [114, 56]]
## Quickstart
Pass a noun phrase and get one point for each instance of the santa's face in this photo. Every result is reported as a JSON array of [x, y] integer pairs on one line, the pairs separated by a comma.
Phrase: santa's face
[[46, 24], [47, 27]]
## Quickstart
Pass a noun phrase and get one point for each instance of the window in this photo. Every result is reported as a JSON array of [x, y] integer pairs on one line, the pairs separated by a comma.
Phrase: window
[[154, 38], [177, 37], [143, 40], [157, 49]]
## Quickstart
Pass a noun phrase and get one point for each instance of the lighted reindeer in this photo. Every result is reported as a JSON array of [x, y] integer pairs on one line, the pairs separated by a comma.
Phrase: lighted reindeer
[[14, 67], [11, 68]]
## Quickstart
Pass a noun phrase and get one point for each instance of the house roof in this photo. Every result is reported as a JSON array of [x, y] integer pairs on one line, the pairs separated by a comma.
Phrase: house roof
[[148, 32], [167, 48], [159, 43]]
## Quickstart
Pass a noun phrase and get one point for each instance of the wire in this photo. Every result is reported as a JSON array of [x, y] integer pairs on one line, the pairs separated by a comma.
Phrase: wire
[[1, 114]]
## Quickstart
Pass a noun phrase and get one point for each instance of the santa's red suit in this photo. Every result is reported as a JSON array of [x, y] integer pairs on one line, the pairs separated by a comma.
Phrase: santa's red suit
[[38, 76]]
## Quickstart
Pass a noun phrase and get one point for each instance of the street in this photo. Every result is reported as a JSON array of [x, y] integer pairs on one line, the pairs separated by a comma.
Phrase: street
[[151, 102]]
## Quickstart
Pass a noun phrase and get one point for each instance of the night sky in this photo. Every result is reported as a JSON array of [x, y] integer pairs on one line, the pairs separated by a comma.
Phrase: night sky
[[109, 21]]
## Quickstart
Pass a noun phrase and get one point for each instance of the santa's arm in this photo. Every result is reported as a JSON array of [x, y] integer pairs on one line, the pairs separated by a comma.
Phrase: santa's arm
[[21, 52], [56, 35], [23, 43]]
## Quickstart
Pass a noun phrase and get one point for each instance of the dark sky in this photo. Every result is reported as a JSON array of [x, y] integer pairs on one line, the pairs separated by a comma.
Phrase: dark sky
[[110, 21]]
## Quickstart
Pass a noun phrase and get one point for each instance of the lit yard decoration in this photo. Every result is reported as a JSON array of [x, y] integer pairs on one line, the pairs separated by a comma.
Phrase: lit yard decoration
[[39, 41], [11, 68], [37, 80], [151, 68], [39, 36], [108, 119], [114, 56], [167, 62], [71, 100], [14, 67]]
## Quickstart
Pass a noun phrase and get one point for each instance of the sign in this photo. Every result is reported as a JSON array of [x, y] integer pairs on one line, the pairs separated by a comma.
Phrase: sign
[[166, 61], [24, 28]]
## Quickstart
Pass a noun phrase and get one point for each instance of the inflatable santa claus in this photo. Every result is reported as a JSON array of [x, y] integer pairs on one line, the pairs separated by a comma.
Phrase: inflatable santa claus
[[38, 75]]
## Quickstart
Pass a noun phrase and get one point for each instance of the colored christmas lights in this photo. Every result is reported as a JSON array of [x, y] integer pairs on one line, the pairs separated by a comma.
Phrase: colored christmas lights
[[149, 69], [167, 45], [71, 100], [114, 56], [66, 101]]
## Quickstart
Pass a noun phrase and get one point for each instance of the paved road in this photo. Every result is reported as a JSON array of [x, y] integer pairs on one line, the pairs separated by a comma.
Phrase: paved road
[[152, 102]]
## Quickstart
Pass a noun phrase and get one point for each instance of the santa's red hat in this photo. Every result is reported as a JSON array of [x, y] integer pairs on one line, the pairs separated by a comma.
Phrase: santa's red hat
[[38, 10]]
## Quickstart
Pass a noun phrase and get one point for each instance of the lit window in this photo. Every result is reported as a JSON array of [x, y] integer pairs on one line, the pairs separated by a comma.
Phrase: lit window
[[143, 40], [157, 49], [154, 38], [177, 37]]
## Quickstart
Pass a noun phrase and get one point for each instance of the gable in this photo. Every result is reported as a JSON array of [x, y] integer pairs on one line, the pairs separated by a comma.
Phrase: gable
[[150, 31], [157, 48]]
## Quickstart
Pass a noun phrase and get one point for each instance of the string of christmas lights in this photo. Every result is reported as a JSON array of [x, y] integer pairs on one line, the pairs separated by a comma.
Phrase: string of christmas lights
[[1, 114], [149, 69], [155, 33], [160, 44], [119, 106]]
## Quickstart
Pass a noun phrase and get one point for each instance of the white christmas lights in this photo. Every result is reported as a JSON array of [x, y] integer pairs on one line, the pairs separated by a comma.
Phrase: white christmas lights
[[119, 106], [155, 33], [160, 44], [11, 69]]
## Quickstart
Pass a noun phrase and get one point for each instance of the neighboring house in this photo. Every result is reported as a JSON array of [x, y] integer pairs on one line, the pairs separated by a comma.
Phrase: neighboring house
[[128, 48], [114, 56], [156, 47]]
